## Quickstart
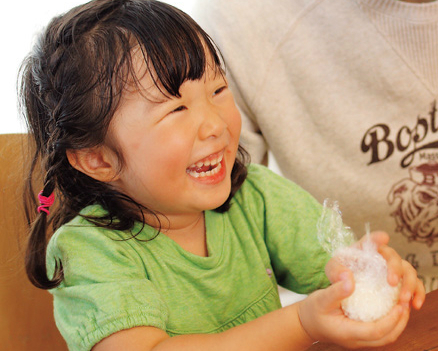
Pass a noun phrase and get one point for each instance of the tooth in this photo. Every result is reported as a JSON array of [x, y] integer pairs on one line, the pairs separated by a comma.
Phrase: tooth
[[214, 162]]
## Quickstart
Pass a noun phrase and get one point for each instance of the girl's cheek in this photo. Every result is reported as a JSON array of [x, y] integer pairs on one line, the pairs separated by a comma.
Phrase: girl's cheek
[[234, 119]]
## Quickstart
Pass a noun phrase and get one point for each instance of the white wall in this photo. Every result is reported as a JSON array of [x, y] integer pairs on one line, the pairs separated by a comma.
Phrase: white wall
[[21, 20]]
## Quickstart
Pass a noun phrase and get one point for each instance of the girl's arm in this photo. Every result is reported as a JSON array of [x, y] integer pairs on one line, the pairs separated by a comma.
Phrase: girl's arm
[[277, 330], [296, 327]]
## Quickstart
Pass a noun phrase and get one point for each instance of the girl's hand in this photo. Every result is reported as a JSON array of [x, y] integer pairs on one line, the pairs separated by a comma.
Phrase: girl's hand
[[323, 319], [412, 289]]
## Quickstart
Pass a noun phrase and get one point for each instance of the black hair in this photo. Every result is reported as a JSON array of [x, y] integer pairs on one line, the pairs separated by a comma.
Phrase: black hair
[[71, 85]]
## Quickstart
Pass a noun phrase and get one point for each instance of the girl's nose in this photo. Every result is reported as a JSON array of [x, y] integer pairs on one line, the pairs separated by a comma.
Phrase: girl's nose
[[212, 125]]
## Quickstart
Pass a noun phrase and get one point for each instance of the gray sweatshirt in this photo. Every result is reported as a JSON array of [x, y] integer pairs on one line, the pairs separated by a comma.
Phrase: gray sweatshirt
[[344, 94]]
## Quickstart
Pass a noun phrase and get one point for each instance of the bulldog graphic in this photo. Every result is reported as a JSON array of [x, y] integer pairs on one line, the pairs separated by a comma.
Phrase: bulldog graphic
[[416, 202]]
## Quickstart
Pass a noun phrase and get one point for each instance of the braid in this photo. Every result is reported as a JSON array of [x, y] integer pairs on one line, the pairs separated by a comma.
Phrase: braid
[[41, 105], [38, 238], [37, 243]]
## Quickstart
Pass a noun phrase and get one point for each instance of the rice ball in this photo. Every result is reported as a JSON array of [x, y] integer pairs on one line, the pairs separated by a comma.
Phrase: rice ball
[[373, 297]]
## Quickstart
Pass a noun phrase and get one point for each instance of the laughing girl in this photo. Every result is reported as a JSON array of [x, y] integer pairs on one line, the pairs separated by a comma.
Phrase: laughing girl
[[164, 237]]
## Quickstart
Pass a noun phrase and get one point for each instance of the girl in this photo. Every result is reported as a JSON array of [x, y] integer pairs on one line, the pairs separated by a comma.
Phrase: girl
[[161, 230]]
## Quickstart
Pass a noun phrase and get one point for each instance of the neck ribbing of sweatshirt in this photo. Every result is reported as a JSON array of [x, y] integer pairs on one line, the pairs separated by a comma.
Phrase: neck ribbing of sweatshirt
[[425, 12], [412, 30]]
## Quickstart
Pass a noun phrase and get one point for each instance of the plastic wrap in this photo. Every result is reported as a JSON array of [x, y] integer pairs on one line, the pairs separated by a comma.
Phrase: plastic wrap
[[373, 297]]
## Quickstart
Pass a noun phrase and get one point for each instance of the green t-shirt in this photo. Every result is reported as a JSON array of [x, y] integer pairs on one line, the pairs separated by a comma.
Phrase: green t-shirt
[[267, 236]]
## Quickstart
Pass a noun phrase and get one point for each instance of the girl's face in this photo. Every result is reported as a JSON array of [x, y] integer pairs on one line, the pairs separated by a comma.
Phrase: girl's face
[[178, 152]]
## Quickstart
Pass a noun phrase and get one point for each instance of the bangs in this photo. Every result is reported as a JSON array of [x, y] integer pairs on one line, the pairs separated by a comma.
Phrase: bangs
[[172, 44]]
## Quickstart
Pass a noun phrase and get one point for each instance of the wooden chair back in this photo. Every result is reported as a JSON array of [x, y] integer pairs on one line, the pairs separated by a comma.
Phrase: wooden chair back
[[26, 313]]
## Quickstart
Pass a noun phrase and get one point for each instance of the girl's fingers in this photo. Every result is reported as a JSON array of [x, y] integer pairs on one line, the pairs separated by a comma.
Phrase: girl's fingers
[[331, 297], [373, 333], [387, 329], [321, 314], [419, 295], [392, 258], [412, 288], [409, 284], [335, 271], [379, 238], [394, 263], [401, 325]]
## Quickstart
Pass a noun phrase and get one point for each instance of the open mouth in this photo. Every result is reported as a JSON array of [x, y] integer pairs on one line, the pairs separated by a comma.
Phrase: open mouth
[[207, 167]]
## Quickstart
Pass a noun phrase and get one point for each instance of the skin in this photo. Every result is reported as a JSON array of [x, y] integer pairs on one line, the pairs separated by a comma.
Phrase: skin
[[162, 141], [201, 127]]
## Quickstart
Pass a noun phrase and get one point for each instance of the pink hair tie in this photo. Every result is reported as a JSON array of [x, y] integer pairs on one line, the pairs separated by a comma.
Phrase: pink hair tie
[[45, 202]]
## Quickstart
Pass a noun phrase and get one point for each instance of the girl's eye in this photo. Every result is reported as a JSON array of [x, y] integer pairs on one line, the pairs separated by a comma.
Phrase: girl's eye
[[179, 108], [220, 90]]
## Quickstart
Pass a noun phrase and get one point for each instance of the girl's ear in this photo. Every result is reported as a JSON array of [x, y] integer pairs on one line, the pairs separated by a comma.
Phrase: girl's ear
[[98, 162]]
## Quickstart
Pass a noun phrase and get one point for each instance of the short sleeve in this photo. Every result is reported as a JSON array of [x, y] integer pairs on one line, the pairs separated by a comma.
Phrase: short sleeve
[[105, 288], [288, 215]]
